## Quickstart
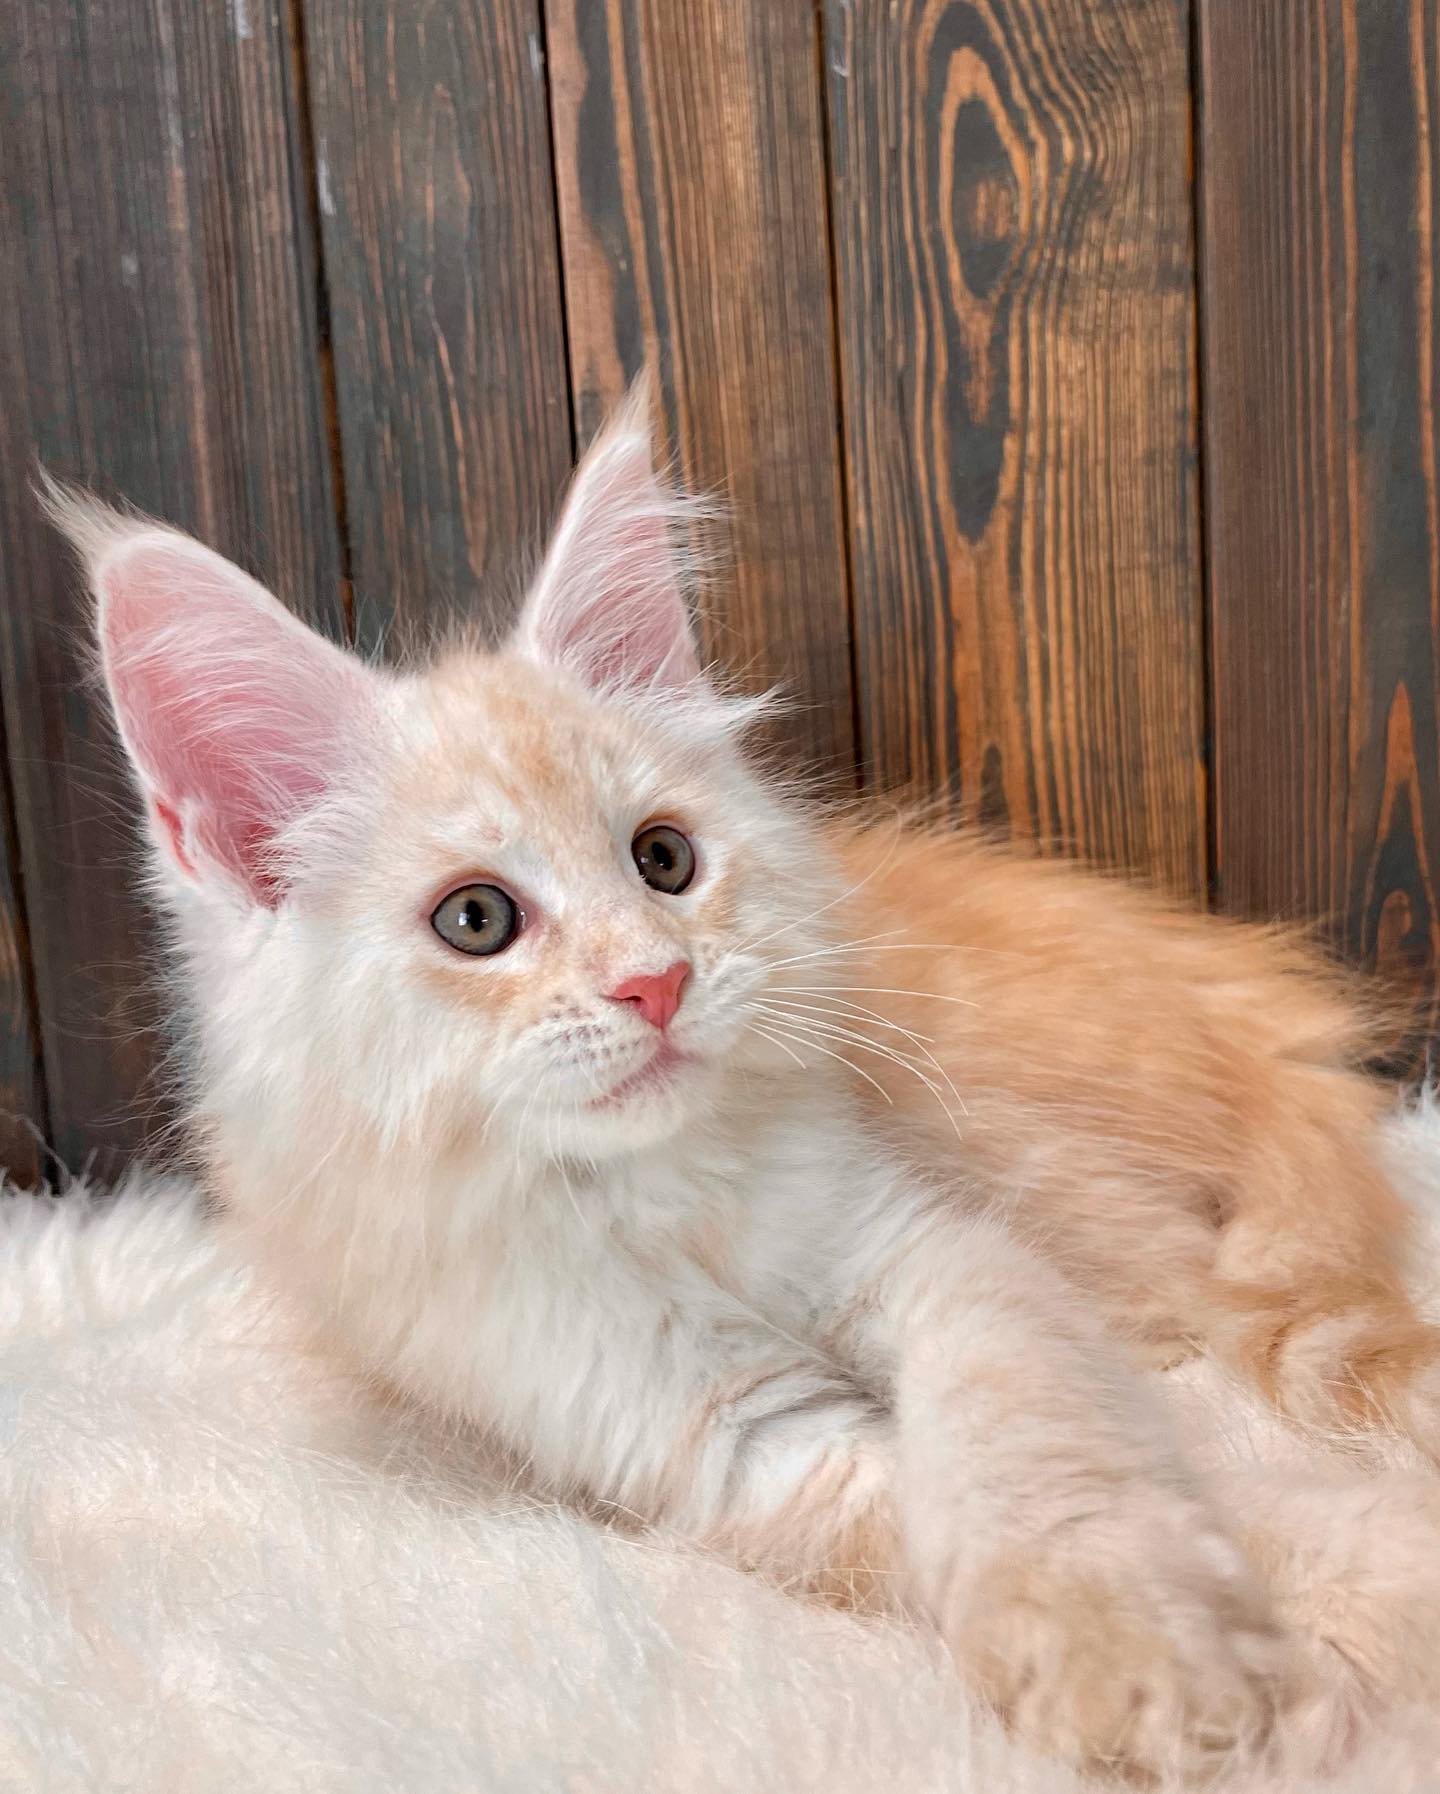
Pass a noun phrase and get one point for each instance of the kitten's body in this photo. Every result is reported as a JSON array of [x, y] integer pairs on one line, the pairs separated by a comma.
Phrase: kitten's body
[[666, 1252], [716, 1326]]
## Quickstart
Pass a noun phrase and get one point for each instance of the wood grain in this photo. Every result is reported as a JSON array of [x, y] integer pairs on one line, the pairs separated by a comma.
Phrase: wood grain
[[24, 1121], [1014, 250], [690, 155], [1321, 214], [437, 204], [157, 339]]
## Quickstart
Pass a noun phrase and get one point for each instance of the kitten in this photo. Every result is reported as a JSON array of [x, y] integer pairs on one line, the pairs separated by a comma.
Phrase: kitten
[[539, 1047]]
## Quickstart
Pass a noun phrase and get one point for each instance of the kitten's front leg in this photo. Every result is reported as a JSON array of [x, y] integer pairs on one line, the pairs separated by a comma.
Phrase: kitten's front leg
[[669, 1399], [1073, 1565]]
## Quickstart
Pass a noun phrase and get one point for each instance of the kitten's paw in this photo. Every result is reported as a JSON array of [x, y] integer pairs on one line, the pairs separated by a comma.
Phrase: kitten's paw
[[1134, 1640]]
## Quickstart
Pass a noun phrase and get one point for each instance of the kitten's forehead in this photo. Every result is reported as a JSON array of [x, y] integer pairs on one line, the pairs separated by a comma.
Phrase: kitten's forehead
[[513, 750]]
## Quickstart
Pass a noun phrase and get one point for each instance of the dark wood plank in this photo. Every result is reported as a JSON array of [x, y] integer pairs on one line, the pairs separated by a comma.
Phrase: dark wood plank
[[24, 1124], [1320, 158], [690, 153], [438, 213], [1014, 247], [157, 339]]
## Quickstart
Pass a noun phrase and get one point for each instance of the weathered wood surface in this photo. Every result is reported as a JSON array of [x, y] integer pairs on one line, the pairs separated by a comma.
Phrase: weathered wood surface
[[157, 339], [24, 1123], [1013, 232], [434, 187], [1321, 217]]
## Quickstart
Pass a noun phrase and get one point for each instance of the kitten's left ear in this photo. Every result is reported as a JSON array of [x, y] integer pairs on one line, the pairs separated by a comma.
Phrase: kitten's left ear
[[610, 602], [236, 718]]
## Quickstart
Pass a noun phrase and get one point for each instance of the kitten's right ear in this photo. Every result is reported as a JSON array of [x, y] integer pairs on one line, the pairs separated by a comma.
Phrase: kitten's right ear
[[235, 716], [610, 601]]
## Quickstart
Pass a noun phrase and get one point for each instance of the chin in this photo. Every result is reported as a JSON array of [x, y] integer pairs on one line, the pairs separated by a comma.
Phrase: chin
[[635, 1121]]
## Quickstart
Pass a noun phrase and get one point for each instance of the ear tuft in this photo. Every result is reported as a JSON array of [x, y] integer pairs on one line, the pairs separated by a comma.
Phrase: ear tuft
[[610, 603], [90, 526], [236, 717]]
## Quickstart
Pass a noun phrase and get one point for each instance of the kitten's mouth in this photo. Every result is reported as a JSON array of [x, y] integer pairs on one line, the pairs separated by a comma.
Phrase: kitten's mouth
[[657, 1071]]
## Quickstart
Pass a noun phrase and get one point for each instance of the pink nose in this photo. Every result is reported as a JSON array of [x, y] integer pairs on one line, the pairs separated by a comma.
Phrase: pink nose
[[655, 994]]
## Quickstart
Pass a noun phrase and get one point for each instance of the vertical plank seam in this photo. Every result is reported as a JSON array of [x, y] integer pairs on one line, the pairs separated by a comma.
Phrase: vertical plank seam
[[832, 253], [1210, 746], [308, 217], [542, 37], [25, 965]]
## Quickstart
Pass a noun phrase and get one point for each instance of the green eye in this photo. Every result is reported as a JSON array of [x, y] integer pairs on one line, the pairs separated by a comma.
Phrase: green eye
[[477, 919], [664, 858]]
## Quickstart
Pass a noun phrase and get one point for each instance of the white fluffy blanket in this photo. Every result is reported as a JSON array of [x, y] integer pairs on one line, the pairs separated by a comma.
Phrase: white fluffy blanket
[[220, 1569]]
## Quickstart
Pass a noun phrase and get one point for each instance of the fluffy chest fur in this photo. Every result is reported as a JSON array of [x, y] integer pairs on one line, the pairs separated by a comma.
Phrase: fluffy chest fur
[[486, 1279]]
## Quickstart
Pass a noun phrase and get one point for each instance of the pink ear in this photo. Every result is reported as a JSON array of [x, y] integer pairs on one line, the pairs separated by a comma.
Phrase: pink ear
[[610, 600], [236, 716]]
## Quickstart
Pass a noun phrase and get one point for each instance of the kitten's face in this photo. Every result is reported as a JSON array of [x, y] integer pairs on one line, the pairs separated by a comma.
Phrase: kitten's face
[[534, 893], [498, 898]]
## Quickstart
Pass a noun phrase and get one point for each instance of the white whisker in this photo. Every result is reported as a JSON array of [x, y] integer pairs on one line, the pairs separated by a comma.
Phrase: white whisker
[[776, 1041], [879, 990], [839, 947], [834, 1031], [865, 1017], [881, 944], [839, 1058], [842, 1008], [809, 1030]]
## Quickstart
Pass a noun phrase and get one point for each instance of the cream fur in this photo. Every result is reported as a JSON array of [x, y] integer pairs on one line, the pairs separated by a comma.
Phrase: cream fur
[[684, 1277], [224, 1571]]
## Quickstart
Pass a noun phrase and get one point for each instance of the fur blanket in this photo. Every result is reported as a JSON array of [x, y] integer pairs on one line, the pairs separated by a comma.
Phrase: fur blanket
[[223, 1569]]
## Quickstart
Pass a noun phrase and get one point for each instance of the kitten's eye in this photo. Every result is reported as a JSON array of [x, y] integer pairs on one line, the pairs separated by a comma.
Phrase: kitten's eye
[[665, 858], [477, 919]]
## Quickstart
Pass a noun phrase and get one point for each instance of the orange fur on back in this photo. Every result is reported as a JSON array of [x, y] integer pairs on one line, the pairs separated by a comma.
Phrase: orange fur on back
[[1173, 1104]]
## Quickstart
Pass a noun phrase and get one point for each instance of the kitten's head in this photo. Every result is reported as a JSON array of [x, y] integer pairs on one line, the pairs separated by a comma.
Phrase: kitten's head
[[538, 887]]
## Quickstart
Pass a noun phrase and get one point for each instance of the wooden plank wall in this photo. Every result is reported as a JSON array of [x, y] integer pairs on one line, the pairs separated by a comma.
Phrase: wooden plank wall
[[1320, 158], [1069, 366], [1016, 290], [158, 339], [435, 193]]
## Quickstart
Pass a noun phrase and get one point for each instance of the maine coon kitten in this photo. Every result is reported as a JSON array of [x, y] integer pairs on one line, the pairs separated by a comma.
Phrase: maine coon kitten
[[539, 1045]]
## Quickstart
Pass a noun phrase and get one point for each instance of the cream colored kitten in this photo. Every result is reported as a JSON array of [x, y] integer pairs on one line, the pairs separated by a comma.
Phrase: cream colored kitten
[[476, 958]]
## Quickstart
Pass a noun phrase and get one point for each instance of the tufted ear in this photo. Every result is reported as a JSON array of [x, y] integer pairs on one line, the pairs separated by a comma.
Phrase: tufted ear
[[610, 601], [235, 716]]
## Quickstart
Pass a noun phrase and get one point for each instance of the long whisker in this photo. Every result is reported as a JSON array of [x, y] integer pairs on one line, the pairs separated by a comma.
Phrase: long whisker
[[836, 947], [776, 1040], [870, 1018], [833, 1031], [841, 1007], [879, 990], [805, 1040], [864, 947], [807, 1032]]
